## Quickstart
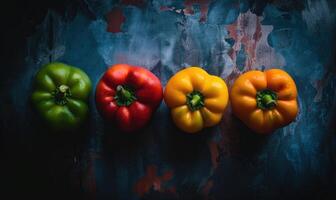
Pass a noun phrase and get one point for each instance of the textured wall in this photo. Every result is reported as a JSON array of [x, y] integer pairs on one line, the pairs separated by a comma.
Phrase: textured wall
[[226, 38]]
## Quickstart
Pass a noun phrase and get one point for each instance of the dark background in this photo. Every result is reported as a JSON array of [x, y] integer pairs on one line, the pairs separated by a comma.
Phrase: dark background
[[34, 165], [38, 163]]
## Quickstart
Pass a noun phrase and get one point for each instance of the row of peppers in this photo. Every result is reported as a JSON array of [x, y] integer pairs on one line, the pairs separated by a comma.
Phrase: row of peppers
[[128, 95]]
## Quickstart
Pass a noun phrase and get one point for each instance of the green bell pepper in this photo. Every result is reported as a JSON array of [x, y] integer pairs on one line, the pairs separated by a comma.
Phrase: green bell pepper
[[61, 94]]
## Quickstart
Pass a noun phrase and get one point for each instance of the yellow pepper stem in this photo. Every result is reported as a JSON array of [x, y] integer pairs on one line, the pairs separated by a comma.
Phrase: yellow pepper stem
[[195, 100]]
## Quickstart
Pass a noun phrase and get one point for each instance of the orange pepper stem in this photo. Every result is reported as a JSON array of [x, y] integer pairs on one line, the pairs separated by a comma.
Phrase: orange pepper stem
[[124, 96], [61, 94], [266, 99], [195, 100]]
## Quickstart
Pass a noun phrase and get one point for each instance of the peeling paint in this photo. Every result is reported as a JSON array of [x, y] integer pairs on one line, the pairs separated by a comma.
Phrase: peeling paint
[[204, 7], [251, 36], [152, 181]]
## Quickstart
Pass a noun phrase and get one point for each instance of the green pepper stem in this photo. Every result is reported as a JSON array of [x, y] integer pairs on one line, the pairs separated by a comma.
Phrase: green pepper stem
[[63, 89], [61, 94]]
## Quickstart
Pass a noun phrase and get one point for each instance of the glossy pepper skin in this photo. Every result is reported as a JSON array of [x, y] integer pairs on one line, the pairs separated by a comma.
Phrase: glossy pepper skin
[[128, 95], [264, 101], [60, 95], [196, 99]]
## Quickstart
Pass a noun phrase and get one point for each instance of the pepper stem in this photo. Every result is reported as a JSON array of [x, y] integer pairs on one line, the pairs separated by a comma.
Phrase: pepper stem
[[63, 88], [124, 96], [195, 100], [61, 94], [125, 93], [266, 99]]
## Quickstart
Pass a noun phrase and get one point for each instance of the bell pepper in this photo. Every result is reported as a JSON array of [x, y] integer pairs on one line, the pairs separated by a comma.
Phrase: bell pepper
[[60, 95], [128, 95], [196, 99], [264, 101]]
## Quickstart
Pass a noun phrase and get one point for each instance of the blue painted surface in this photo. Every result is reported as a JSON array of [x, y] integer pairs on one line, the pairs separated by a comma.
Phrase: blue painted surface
[[295, 161]]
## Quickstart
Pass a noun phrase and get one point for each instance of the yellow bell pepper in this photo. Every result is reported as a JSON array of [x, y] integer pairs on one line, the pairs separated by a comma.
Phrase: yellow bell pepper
[[196, 99]]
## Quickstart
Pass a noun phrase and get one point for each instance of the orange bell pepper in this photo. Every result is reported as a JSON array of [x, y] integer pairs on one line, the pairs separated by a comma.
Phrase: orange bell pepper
[[264, 101]]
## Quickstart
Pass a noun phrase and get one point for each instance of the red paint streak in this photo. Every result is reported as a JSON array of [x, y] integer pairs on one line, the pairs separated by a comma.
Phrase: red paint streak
[[90, 178], [151, 171], [253, 43], [167, 175], [226, 143], [165, 8], [115, 18], [138, 3], [152, 180], [207, 187], [213, 147], [91, 181], [204, 4], [257, 34]]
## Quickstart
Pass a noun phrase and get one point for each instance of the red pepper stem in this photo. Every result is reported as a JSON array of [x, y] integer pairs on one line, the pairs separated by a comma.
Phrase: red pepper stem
[[124, 96], [125, 93]]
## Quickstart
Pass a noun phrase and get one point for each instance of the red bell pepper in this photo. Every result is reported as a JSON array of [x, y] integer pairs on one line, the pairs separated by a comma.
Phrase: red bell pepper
[[128, 95]]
